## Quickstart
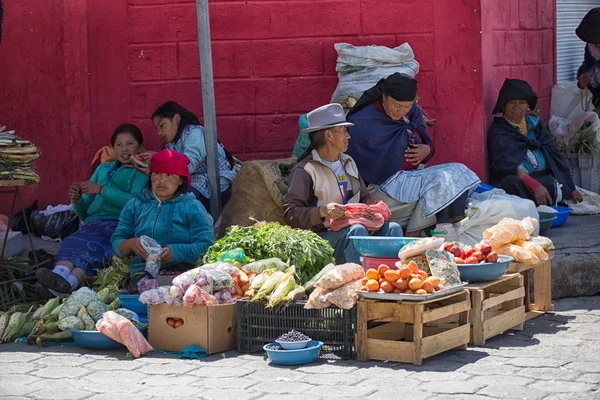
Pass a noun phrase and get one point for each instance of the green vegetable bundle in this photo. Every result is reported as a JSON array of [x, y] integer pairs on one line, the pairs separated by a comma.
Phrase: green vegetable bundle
[[301, 248]]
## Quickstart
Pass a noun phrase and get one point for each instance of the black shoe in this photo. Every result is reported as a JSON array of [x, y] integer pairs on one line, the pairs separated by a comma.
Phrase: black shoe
[[54, 281]]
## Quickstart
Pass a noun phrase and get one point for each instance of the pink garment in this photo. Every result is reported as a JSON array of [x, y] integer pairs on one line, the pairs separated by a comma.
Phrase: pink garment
[[371, 217]]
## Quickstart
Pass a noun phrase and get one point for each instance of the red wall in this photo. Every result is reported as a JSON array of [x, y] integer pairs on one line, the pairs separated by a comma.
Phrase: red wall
[[81, 68]]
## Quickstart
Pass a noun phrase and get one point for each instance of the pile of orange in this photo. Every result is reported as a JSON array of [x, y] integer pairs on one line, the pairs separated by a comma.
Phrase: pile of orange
[[407, 279]]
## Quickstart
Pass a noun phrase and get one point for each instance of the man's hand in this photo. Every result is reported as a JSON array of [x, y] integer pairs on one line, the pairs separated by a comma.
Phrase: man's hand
[[332, 211], [542, 197], [416, 155], [583, 81]]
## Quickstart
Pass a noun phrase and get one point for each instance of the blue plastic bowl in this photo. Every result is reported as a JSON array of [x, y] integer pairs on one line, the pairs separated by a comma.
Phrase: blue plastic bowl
[[483, 187], [382, 247], [561, 215], [484, 272], [293, 345], [132, 302], [294, 357], [96, 340]]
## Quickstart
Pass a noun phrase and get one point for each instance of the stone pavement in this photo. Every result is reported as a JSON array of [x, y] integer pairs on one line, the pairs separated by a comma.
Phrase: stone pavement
[[556, 356]]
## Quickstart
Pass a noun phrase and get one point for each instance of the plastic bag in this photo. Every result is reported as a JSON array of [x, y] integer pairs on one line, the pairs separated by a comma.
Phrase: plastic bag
[[58, 225], [154, 250], [371, 217], [505, 232], [317, 299], [346, 296], [310, 284], [536, 249], [17, 220], [419, 247], [125, 333], [194, 295], [154, 296], [421, 262], [568, 101], [519, 253], [224, 297], [259, 266], [530, 224], [340, 275], [443, 265], [543, 241], [221, 279], [234, 256], [146, 284]]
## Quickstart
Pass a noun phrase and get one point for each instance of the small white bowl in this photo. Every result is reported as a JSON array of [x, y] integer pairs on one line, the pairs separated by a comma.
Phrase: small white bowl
[[293, 345]]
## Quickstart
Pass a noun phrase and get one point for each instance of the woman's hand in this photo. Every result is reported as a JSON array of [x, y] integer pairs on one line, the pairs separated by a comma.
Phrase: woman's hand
[[576, 196], [143, 170], [89, 187], [417, 154], [134, 246], [167, 255], [583, 81], [542, 197], [147, 155], [332, 211], [75, 193]]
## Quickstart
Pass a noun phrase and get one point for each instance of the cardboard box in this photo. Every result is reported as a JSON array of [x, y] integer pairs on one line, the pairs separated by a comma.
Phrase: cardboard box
[[212, 328]]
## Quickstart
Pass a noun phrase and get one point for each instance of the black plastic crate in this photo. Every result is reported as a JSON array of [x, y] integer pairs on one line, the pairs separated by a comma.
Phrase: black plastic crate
[[258, 325]]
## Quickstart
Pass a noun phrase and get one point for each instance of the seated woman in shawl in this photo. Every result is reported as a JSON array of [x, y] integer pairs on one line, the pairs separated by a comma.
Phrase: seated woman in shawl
[[589, 72], [523, 159], [324, 180], [390, 145], [98, 202]]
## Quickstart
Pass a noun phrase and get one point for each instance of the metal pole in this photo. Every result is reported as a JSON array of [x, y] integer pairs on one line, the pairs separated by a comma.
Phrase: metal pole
[[208, 105]]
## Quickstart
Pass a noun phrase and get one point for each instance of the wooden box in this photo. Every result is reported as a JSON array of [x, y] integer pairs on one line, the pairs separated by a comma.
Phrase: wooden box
[[412, 331], [496, 306], [542, 286]]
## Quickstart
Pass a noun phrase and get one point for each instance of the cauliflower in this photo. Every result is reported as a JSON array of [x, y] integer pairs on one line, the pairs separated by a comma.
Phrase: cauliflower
[[96, 308], [88, 322], [70, 322], [78, 299], [69, 309]]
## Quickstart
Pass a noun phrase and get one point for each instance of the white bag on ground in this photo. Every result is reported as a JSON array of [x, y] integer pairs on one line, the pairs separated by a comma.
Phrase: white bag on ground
[[569, 102], [361, 67], [590, 204]]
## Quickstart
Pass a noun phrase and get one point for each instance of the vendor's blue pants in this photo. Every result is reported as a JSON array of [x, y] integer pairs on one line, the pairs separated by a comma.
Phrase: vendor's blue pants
[[343, 247]]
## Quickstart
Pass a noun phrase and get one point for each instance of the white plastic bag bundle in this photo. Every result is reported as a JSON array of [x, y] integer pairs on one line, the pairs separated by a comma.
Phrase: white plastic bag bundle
[[569, 102], [361, 67]]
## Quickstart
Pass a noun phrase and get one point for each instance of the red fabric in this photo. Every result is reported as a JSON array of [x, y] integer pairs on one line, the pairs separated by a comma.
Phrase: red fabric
[[171, 162], [532, 183], [371, 217]]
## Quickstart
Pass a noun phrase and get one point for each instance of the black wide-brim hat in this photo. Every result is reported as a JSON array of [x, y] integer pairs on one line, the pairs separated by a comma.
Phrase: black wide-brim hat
[[515, 89], [589, 28]]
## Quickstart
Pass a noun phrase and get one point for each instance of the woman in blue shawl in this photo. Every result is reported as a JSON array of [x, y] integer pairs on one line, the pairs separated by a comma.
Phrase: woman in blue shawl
[[390, 145]]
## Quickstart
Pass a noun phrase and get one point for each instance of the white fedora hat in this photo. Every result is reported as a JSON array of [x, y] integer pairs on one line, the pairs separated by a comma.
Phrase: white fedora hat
[[325, 117]]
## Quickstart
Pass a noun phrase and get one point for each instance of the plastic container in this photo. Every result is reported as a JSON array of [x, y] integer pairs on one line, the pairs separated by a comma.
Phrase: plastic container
[[484, 187], [132, 302], [561, 215], [484, 272], [375, 262], [384, 246], [97, 340], [295, 357], [546, 220], [294, 345], [258, 325]]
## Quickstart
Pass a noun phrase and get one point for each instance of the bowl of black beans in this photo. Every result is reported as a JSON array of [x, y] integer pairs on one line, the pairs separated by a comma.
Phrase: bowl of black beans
[[293, 340]]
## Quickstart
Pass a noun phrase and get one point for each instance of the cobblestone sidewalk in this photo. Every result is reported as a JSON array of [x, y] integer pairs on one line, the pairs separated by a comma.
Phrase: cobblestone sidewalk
[[556, 356]]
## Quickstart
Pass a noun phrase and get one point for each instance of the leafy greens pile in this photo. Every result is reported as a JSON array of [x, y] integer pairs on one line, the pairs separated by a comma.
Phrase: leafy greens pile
[[304, 249]]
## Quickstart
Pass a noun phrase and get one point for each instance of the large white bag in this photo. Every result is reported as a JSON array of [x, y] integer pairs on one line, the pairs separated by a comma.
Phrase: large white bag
[[360, 67], [569, 102]]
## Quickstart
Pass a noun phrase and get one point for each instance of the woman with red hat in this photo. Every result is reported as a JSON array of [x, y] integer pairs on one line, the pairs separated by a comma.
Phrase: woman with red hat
[[167, 213]]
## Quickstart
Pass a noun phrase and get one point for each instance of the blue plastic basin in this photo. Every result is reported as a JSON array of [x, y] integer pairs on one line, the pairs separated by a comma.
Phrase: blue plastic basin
[[382, 247], [484, 187], [295, 357], [484, 272], [96, 340], [561, 215], [132, 302]]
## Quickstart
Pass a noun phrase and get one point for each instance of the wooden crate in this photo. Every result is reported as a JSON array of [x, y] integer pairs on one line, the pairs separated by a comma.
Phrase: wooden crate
[[496, 307], [542, 286], [412, 331]]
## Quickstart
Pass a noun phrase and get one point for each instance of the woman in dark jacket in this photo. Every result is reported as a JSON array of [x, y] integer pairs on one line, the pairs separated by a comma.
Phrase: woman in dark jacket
[[523, 159]]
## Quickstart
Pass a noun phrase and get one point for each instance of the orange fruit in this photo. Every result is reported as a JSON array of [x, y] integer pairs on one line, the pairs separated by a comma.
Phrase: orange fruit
[[414, 268], [422, 275], [434, 280], [421, 291], [415, 284], [428, 287], [383, 269], [387, 287], [372, 285], [401, 284], [440, 287], [392, 275], [408, 291], [372, 274], [404, 273], [381, 280], [363, 281], [363, 288]]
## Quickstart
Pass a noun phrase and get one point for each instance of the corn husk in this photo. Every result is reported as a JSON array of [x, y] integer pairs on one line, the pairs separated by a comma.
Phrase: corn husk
[[269, 285], [16, 322], [46, 309], [282, 290], [3, 323], [257, 281], [296, 294]]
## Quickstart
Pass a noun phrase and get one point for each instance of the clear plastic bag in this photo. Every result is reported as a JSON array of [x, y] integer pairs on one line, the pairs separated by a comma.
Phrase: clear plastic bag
[[340, 275], [419, 247], [123, 331], [520, 254], [536, 249], [154, 296], [154, 250], [443, 265], [543, 241], [507, 231], [346, 296], [317, 299], [259, 266], [196, 296]]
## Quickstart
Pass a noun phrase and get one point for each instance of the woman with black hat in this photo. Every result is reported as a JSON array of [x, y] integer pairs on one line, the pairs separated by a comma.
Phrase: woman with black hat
[[589, 72], [391, 145], [523, 159]]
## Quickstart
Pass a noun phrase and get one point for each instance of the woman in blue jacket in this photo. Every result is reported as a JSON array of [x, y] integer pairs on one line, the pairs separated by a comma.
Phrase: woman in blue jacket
[[166, 213], [181, 131]]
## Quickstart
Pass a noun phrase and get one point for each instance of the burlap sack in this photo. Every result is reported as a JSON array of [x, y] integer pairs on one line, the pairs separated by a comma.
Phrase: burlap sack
[[257, 193]]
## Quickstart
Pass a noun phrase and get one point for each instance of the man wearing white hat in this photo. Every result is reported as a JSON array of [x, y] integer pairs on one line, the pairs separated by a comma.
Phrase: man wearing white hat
[[324, 180]]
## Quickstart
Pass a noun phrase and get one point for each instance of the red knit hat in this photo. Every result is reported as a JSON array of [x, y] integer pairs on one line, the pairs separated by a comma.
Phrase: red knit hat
[[171, 162]]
